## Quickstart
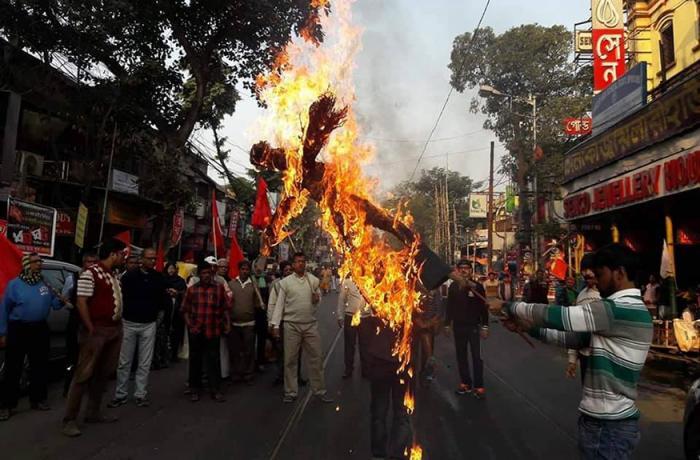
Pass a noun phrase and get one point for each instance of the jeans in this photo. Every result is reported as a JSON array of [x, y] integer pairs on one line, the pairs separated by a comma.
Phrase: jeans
[[383, 395], [142, 335], [350, 337], [30, 340], [468, 337], [99, 354], [204, 350], [607, 439], [241, 348]]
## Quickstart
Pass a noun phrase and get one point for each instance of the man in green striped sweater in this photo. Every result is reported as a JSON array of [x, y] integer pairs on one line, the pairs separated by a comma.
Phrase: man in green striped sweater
[[618, 329]]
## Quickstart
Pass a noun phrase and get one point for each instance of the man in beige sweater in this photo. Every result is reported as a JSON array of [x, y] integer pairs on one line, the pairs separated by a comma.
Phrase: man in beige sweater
[[241, 339], [297, 298]]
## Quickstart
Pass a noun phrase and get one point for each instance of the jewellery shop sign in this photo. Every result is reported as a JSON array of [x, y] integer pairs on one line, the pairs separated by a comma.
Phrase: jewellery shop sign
[[673, 174]]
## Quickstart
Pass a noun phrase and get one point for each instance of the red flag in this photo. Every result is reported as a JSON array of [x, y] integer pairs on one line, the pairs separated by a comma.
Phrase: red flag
[[125, 237], [262, 215], [160, 257], [559, 268], [11, 265], [217, 236], [235, 255]]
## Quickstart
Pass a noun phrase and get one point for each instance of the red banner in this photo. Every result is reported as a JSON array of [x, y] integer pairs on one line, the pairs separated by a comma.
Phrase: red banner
[[65, 225], [178, 225], [232, 224], [578, 126], [608, 57]]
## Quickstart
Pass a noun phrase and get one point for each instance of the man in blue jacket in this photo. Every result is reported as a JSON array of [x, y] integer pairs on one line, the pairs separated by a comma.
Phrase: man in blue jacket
[[24, 309]]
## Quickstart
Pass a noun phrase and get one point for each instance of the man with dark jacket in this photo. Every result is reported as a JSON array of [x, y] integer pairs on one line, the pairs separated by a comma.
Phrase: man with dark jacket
[[144, 292], [468, 312]]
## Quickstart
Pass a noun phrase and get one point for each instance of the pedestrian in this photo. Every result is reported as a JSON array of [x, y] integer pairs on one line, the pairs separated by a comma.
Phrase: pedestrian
[[73, 326], [100, 337], [24, 332], [618, 330], [467, 312], [350, 303], [537, 289], [587, 295], [222, 269], [175, 287], [144, 295], [491, 286], [297, 299], [260, 281], [652, 295], [506, 289], [206, 312], [241, 339], [285, 268], [388, 439], [132, 264], [427, 321], [568, 293], [325, 275]]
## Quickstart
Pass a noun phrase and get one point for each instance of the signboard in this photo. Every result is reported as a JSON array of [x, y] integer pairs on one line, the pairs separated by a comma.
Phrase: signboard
[[577, 126], [124, 182], [284, 251], [232, 224], [65, 224], [608, 42], [670, 114], [81, 225], [126, 214], [178, 227], [478, 205], [625, 96], [31, 227], [674, 174], [3, 227], [583, 41]]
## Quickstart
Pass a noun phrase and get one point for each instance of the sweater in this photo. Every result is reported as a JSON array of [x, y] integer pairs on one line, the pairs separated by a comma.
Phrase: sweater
[[294, 299], [26, 303], [244, 302], [464, 308], [619, 330], [350, 300]]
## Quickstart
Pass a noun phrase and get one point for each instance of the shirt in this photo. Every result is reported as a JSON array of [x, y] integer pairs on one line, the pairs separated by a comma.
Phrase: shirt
[[619, 331], [144, 296], [104, 295], [587, 295], [26, 303], [206, 305], [294, 299], [491, 288], [350, 300], [272, 301]]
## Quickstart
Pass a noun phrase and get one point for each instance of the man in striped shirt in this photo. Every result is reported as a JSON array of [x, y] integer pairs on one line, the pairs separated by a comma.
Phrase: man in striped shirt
[[618, 329]]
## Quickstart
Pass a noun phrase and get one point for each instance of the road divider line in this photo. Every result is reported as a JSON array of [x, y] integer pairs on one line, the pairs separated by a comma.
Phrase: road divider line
[[298, 412]]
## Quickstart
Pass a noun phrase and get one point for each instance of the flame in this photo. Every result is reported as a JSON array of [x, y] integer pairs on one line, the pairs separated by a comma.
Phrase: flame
[[304, 72], [409, 401], [416, 453], [356, 318]]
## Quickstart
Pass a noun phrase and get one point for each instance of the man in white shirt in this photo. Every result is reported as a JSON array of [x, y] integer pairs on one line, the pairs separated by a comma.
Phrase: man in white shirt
[[297, 298], [350, 302]]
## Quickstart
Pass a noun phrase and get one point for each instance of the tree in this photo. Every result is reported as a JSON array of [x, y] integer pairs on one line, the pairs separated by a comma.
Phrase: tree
[[160, 65], [526, 60]]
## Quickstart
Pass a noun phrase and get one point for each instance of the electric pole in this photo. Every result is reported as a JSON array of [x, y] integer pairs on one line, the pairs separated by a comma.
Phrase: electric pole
[[490, 214]]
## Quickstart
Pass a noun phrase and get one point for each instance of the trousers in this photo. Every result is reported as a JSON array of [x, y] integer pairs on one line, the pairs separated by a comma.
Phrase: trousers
[[389, 441], [143, 337], [31, 340], [466, 338], [304, 336], [241, 350], [350, 337], [205, 352]]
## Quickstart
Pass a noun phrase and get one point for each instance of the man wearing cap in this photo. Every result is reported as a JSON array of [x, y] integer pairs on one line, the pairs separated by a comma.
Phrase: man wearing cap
[[468, 313]]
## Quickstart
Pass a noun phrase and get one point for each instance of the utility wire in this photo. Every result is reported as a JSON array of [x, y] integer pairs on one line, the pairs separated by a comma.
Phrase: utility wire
[[449, 93]]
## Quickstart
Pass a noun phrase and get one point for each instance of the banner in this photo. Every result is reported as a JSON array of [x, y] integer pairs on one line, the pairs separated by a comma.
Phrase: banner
[[81, 225], [178, 226], [478, 205], [608, 42], [31, 227], [65, 224], [232, 224]]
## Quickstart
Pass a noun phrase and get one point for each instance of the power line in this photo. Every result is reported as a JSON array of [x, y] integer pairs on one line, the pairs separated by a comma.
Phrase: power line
[[418, 141], [460, 152], [449, 93]]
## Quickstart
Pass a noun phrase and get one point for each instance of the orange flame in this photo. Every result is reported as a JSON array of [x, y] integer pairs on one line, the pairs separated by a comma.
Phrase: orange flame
[[416, 453], [408, 401]]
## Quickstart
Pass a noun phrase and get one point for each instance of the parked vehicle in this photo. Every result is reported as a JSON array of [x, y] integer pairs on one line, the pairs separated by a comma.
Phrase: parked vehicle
[[56, 274], [691, 423]]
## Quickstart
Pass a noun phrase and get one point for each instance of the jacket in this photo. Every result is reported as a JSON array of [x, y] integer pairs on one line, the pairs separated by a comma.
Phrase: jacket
[[465, 308]]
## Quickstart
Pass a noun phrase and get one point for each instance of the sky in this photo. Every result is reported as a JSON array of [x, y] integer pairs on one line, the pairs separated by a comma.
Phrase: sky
[[402, 80]]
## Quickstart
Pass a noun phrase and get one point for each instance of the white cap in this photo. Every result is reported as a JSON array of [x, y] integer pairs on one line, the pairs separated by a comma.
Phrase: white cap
[[211, 260]]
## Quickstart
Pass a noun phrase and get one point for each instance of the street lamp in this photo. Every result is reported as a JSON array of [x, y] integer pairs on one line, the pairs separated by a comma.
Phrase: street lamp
[[488, 91]]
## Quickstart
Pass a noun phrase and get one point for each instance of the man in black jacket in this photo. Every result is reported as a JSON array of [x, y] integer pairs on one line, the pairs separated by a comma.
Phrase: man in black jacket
[[468, 312], [144, 293]]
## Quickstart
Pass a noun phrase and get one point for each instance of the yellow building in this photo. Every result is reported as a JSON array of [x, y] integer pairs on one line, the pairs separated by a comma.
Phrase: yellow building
[[665, 34]]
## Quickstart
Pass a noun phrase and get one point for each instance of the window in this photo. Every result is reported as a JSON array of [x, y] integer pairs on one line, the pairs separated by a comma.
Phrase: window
[[667, 48]]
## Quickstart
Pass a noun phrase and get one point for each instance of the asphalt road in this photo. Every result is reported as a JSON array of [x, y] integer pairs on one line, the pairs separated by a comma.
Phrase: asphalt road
[[529, 413]]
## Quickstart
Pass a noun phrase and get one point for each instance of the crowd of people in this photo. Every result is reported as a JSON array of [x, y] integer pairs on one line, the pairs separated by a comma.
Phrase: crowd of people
[[142, 319]]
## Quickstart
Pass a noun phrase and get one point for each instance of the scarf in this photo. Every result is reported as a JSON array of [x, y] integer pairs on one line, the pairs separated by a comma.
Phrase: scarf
[[27, 275]]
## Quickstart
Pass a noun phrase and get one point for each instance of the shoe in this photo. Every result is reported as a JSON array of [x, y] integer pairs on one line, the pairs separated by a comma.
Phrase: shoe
[[463, 389], [101, 419], [324, 398], [289, 399], [218, 397], [117, 402], [5, 415], [142, 402], [70, 429], [41, 405], [194, 396], [480, 392], [347, 374]]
